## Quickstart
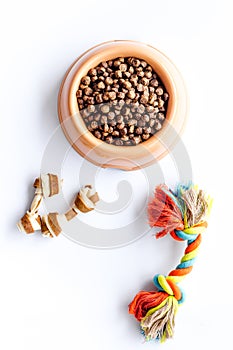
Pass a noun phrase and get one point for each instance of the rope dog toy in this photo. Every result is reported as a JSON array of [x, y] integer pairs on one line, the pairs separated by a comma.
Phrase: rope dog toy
[[183, 214]]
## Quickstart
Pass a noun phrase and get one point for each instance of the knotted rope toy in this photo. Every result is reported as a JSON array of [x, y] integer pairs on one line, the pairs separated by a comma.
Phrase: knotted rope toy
[[183, 214]]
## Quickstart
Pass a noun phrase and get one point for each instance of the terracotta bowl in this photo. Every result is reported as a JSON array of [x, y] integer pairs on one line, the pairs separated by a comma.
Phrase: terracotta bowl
[[123, 157]]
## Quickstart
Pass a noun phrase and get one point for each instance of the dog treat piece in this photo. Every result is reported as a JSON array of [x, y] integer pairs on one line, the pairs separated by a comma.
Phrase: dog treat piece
[[118, 92], [70, 214], [31, 221], [48, 184], [50, 226], [84, 202], [86, 199]]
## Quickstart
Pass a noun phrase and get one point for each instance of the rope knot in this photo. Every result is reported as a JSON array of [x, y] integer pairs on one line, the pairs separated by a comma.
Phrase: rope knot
[[165, 284], [189, 233]]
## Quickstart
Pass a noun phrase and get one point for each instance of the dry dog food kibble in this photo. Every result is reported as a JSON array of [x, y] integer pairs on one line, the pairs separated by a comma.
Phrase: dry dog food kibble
[[122, 101]]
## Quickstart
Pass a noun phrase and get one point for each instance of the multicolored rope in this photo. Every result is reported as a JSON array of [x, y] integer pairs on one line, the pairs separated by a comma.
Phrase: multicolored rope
[[183, 214]]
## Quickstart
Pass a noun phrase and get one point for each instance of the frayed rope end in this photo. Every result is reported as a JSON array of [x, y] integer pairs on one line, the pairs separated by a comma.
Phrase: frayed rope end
[[159, 322], [156, 312]]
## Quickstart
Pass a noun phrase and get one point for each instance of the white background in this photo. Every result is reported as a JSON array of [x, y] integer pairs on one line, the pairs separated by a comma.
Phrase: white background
[[55, 294]]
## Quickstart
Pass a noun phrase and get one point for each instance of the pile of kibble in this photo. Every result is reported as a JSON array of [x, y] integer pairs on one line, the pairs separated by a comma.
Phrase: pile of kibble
[[122, 101]]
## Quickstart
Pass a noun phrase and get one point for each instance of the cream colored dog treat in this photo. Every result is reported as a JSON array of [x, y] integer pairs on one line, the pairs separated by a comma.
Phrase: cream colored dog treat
[[50, 226], [84, 202], [31, 221], [48, 184]]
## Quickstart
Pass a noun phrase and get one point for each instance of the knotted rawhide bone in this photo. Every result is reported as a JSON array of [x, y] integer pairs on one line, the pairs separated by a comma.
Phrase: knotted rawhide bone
[[183, 214], [31, 220], [51, 224], [48, 185]]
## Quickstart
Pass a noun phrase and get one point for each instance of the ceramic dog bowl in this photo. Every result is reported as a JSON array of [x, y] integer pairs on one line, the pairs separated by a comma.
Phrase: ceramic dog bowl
[[123, 157]]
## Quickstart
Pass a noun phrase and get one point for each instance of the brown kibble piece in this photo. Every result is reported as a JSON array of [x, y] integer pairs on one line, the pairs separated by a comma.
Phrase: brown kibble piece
[[136, 140], [148, 74], [98, 134], [118, 74], [121, 95], [144, 99], [119, 142], [161, 116], [91, 108], [92, 71], [147, 130], [127, 85], [160, 103], [120, 119], [131, 129], [99, 98], [121, 126], [152, 123], [146, 118], [140, 87], [109, 139], [123, 67], [124, 131], [106, 96], [158, 125], [94, 124], [141, 109], [117, 63], [131, 94], [86, 80], [109, 81], [127, 75], [112, 95], [138, 130], [145, 136], [111, 115], [145, 81], [101, 85], [106, 127], [135, 62], [159, 91], [131, 70], [79, 93], [154, 83], [143, 64], [88, 91], [132, 122], [125, 138]]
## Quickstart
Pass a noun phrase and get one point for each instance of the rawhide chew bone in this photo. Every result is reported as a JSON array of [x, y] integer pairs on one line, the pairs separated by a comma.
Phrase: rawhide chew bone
[[50, 225], [84, 202], [46, 185]]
